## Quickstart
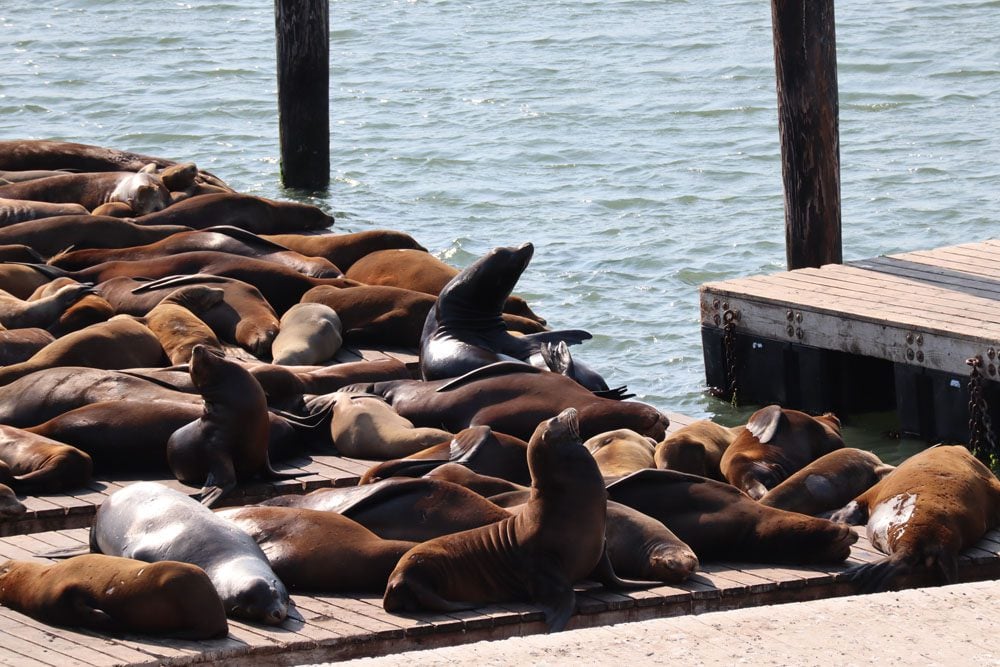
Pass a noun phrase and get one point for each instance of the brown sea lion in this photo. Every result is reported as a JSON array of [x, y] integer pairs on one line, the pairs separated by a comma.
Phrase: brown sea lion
[[143, 191], [21, 344], [112, 594], [18, 252], [421, 271], [229, 443], [923, 514], [244, 317], [10, 506], [42, 312], [39, 464], [21, 280], [310, 333], [230, 240], [621, 452], [118, 343], [367, 427], [89, 309], [345, 249], [776, 444], [536, 555], [696, 448], [114, 209], [319, 551], [14, 211], [52, 235], [828, 483], [150, 522], [484, 485], [722, 523], [28, 175], [177, 324], [402, 508], [254, 214], [512, 398]]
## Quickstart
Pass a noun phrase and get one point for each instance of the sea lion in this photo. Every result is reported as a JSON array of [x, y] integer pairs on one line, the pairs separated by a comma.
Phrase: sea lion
[[143, 191], [376, 315], [42, 312], [536, 555], [414, 510], [113, 594], [828, 483], [512, 398], [89, 309], [621, 452], [177, 324], [484, 485], [21, 280], [148, 521], [14, 211], [310, 333], [10, 506], [229, 443], [777, 443], [18, 252], [254, 214], [345, 249], [230, 240], [720, 522], [20, 176], [319, 551], [21, 344], [244, 317], [421, 271], [367, 427], [40, 464], [118, 343], [923, 514], [464, 331], [52, 235], [696, 448]]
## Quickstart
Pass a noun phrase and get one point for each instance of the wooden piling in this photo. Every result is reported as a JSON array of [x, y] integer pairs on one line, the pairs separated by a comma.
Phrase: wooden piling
[[805, 58], [302, 34]]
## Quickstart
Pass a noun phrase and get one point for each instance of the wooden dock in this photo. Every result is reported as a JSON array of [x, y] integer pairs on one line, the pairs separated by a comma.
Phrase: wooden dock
[[892, 331]]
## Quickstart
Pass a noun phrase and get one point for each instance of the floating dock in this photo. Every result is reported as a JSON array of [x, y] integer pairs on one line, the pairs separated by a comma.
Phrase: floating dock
[[895, 331]]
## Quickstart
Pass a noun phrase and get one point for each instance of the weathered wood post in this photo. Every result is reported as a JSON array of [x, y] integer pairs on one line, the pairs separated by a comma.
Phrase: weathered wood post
[[805, 59], [302, 33]]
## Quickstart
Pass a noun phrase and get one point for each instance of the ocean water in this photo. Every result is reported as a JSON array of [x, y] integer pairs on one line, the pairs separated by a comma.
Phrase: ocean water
[[634, 142]]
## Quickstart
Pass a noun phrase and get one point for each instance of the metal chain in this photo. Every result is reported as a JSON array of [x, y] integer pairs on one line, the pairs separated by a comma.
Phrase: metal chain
[[729, 346], [980, 423]]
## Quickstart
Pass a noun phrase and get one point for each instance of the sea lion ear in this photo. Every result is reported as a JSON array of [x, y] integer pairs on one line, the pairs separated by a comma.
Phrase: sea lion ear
[[148, 169], [764, 423]]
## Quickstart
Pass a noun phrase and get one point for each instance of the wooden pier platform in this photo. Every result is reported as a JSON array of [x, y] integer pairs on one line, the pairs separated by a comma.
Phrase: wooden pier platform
[[892, 331]]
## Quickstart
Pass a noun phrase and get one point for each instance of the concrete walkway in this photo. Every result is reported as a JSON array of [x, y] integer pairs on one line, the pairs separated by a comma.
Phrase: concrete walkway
[[952, 625]]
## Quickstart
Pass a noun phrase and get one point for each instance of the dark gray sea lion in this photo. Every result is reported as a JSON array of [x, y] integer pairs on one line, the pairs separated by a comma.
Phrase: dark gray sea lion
[[465, 330], [143, 191], [150, 522], [254, 214], [345, 249], [113, 594], [51, 235], [14, 211], [828, 483], [923, 514], [536, 555]]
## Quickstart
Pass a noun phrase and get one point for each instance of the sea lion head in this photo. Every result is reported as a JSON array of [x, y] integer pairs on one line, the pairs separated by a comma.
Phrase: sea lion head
[[556, 450], [483, 286], [10, 506], [262, 599]]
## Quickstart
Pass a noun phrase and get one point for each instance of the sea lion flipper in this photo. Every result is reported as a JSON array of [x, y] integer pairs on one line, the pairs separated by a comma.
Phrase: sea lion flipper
[[765, 422], [568, 336], [220, 481], [464, 444], [878, 576], [91, 615], [558, 602], [853, 513], [604, 574], [65, 552], [616, 394], [271, 473]]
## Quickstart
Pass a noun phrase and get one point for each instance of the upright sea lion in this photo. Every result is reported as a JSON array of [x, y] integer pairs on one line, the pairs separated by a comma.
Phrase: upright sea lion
[[415, 510], [115, 344], [14, 211], [51, 235], [39, 464], [150, 522], [319, 551], [465, 331], [367, 427], [776, 444], [254, 214], [310, 333], [512, 398], [42, 312], [112, 594], [536, 556], [696, 449], [421, 271], [177, 324], [345, 249], [229, 443], [924, 513], [230, 240], [720, 522], [143, 191], [621, 452], [828, 483]]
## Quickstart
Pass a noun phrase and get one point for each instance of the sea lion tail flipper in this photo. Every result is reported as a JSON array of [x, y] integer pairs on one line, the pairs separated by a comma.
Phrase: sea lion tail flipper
[[853, 513], [220, 481], [310, 421], [50, 272], [66, 552], [271, 473], [465, 443], [878, 576], [556, 357], [604, 573], [558, 602], [616, 394]]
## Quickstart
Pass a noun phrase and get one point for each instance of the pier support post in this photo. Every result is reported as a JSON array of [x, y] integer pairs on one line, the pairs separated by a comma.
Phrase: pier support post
[[805, 59], [302, 34]]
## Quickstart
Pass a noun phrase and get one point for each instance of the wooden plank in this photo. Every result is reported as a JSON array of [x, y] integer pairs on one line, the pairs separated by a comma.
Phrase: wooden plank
[[926, 274], [77, 648]]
